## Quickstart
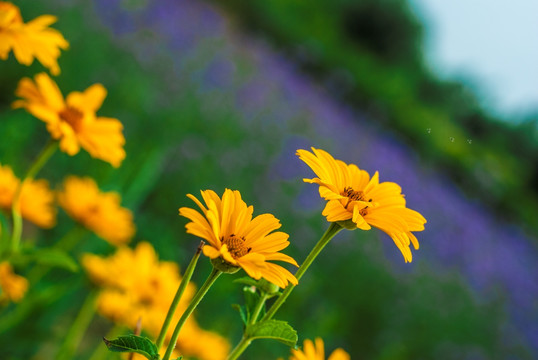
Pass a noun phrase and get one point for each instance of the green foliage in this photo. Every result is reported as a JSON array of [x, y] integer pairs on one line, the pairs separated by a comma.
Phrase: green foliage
[[273, 329], [133, 343], [45, 256]]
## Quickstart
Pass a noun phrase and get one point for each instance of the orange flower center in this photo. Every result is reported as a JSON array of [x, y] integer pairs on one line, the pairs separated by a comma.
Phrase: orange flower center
[[72, 116], [352, 194], [236, 246]]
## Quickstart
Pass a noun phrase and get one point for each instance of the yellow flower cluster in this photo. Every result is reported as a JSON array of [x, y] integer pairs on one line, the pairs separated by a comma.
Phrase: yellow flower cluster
[[135, 284], [12, 286], [98, 211], [30, 40], [36, 199]]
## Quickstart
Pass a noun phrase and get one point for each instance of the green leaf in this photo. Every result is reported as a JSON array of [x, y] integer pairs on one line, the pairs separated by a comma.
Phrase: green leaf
[[273, 329], [252, 297], [47, 256], [247, 280], [133, 343]]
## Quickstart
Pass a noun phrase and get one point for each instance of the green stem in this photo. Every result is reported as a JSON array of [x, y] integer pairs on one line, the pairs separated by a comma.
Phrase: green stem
[[329, 234], [240, 348], [194, 302], [259, 306], [40, 161], [182, 286], [78, 328]]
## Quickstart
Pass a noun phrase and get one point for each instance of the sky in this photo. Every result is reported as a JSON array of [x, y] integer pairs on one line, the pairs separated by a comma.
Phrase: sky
[[492, 44]]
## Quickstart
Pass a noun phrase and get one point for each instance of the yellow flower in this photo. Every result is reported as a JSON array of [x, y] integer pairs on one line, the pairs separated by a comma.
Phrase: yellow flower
[[36, 199], [30, 40], [316, 351], [237, 239], [355, 200], [137, 285], [73, 121], [12, 285], [98, 211]]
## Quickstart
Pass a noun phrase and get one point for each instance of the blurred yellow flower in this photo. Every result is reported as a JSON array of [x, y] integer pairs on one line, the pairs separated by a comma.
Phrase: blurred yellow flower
[[355, 200], [98, 211], [36, 199], [30, 40], [316, 351], [239, 240], [137, 285], [73, 121], [12, 286]]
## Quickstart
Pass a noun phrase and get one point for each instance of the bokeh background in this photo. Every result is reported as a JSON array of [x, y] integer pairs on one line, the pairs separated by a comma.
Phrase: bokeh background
[[221, 94]]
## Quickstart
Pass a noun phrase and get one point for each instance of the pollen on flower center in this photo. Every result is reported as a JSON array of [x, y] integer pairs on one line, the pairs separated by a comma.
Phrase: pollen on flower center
[[236, 246], [71, 116], [353, 195]]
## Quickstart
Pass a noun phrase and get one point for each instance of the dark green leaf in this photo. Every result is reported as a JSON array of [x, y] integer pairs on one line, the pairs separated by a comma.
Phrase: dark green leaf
[[273, 329], [247, 281], [134, 343], [48, 257]]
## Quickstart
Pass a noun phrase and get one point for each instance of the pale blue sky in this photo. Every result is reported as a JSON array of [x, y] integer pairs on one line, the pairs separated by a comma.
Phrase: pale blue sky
[[492, 43]]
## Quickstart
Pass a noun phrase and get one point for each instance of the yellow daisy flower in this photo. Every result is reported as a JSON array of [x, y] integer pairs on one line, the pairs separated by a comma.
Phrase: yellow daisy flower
[[316, 351], [98, 211], [135, 284], [36, 199], [73, 121], [30, 40], [12, 286], [355, 200], [236, 239]]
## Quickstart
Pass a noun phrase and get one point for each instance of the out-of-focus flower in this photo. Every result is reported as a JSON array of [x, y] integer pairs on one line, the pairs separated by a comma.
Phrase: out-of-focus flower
[[36, 199], [355, 200], [137, 285], [73, 121], [236, 239], [13, 286], [98, 211], [30, 40], [316, 351]]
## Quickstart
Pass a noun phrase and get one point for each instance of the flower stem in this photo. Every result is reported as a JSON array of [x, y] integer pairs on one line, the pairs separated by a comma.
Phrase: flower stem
[[194, 302], [182, 286], [259, 306], [78, 328], [39, 162], [240, 348], [329, 234]]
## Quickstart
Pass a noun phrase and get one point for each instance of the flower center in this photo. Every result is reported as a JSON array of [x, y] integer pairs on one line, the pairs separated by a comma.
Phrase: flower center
[[71, 116], [236, 246], [353, 195]]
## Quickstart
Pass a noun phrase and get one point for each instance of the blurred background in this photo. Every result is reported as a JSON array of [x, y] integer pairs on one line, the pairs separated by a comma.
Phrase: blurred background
[[221, 94]]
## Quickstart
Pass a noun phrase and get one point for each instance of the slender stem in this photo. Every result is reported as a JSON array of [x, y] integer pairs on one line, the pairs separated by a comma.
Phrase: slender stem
[[40, 161], [259, 306], [329, 234], [182, 286], [194, 302], [240, 348], [78, 328]]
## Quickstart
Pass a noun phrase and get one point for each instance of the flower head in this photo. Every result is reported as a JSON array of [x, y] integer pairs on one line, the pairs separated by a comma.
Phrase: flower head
[[316, 351], [135, 284], [36, 199], [12, 286], [30, 40], [238, 240], [73, 121], [98, 211], [355, 200]]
